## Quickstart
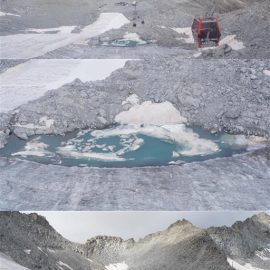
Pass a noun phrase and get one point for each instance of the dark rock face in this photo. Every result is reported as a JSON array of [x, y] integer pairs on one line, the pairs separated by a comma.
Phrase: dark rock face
[[32, 242], [245, 239]]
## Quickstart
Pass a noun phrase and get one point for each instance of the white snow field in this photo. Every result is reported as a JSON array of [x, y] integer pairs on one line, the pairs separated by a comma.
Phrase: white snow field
[[25, 46], [32, 79], [6, 263]]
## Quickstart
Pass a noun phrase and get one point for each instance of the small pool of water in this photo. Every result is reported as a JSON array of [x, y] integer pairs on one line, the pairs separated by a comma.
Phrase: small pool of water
[[124, 43], [123, 146]]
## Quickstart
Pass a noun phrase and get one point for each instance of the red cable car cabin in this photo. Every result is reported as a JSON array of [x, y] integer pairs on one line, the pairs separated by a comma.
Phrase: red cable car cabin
[[206, 31]]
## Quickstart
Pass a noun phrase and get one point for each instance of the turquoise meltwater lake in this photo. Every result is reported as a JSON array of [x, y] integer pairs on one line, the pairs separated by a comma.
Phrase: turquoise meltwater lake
[[124, 146]]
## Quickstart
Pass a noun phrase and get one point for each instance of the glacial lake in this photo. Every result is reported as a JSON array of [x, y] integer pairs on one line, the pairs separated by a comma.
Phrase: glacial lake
[[124, 146]]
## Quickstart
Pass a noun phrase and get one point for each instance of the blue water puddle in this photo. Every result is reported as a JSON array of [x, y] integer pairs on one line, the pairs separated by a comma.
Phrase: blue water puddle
[[116, 147], [123, 43]]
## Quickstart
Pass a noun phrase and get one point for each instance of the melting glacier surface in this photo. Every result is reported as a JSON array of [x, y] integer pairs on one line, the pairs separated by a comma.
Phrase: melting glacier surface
[[125, 146]]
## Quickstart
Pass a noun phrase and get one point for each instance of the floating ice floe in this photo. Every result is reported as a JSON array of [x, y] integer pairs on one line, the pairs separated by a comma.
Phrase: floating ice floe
[[117, 266], [175, 134], [162, 121], [32, 79], [25, 46], [34, 148], [71, 151]]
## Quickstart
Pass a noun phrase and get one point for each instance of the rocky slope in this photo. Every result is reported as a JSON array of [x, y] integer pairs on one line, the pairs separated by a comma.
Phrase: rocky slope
[[229, 94], [30, 241], [248, 240], [33, 243]]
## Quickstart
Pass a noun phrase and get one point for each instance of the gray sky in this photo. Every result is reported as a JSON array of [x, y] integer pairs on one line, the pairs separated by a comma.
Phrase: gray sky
[[80, 226]]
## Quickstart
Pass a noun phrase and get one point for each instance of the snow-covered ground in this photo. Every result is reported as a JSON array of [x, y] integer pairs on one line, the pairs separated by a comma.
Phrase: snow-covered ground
[[25, 46], [32, 79], [6, 263]]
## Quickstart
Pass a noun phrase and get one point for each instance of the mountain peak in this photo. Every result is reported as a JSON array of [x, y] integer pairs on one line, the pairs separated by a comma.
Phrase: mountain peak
[[181, 223]]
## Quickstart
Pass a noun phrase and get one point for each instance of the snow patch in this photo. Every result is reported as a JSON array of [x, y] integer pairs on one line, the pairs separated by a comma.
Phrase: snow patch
[[117, 266], [51, 250], [232, 42], [34, 148], [32, 79], [71, 151], [266, 72], [6, 263], [132, 99], [187, 32], [61, 29], [47, 122], [242, 140], [27, 251], [8, 14], [151, 113], [263, 254], [238, 266], [25, 46]]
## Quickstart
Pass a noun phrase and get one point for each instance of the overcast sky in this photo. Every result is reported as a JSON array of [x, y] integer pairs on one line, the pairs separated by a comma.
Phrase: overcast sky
[[80, 226]]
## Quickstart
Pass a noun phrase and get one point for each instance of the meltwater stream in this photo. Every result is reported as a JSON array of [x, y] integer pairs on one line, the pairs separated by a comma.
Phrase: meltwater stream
[[123, 146]]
